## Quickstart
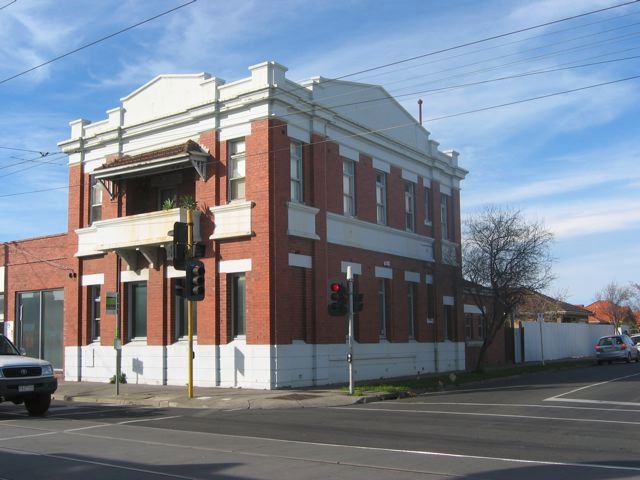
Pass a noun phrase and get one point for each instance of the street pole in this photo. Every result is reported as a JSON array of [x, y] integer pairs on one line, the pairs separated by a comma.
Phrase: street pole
[[190, 305], [117, 343], [350, 334]]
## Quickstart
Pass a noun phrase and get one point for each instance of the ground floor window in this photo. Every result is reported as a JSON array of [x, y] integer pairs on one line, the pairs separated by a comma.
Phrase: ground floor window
[[39, 326], [237, 283], [182, 312], [449, 323], [137, 311], [382, 307], [411, 308], [94, 312]]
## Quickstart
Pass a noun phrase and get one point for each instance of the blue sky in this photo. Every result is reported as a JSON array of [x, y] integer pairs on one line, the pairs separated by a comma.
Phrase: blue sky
[[568, 160]]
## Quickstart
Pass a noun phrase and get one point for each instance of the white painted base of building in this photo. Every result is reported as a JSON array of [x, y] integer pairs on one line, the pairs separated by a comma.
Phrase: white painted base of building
[[261, 366]]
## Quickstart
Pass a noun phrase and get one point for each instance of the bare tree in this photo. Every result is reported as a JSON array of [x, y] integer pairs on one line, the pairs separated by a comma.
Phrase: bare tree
[[615, 300], [504, 255]]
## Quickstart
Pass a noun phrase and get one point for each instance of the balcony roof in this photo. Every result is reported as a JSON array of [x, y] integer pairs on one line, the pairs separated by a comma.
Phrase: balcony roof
[[175, 157]]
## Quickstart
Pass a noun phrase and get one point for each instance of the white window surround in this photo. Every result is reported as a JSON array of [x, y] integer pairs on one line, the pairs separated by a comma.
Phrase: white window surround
[[133, 276], [412, 277], [351, 232], [348, 152], [356, 268], [446, 189], [302, 220], [447, 300], [472, 309], [92, 279], [296, 133], [235, 266], [303, 261], [429, 279], [232, 220], [384, 272], [409, 176], [382, 166], [171, 272]]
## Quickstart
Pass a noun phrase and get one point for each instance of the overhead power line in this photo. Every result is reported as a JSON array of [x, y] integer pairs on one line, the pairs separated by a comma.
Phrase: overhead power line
[[8, 4], [486, 39], [95, 42]]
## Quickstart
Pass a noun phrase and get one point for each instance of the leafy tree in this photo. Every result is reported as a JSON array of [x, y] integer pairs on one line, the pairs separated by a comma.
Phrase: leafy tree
[[503, 256], [615, 300]]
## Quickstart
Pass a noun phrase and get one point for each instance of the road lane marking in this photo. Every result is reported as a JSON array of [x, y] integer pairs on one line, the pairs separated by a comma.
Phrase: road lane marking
[[115, 466], [476, 414], [358, 447], [558, 398], [527, 405]]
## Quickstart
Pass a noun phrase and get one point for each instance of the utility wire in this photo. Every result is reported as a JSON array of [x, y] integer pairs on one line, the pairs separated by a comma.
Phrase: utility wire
[[540, 97], [514, 42], [25, 150], [486, 39], [95, 42], [393, 127], [8, 4]]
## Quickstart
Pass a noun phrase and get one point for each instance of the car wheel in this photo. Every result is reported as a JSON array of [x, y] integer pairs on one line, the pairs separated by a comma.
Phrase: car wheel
[[609, 362], [38, 405]]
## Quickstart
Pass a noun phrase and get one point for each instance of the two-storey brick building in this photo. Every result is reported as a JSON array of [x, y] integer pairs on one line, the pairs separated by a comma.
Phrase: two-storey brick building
[[294, 182]]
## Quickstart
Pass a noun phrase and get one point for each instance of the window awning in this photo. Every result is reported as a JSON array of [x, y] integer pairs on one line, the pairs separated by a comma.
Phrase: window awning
[[176, 157]]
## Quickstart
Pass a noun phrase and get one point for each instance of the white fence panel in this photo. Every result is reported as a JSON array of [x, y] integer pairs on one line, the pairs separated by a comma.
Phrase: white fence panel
[[560, 340]]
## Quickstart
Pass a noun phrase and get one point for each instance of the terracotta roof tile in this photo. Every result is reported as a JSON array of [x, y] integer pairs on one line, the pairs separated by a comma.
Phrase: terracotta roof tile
[[189, 146]]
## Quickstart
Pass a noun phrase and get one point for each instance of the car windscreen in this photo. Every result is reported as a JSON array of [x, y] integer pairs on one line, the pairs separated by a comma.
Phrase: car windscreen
[[6, 347]]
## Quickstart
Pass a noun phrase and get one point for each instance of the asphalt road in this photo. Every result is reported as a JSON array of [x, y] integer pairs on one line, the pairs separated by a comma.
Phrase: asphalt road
[[581, 423]]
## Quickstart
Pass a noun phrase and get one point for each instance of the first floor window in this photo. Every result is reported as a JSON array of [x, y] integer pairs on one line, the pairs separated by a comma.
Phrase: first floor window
[[409, 207], [182, 312], [468, 326], [444, 215], [381, 198], [137, 292], [96, 201], [237, 170], [94, 312], [238, 304], [296, 172], [428, 215], [348, 187]]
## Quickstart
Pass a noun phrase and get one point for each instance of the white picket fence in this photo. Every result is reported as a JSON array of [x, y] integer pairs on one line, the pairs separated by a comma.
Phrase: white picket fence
[[559, 340]]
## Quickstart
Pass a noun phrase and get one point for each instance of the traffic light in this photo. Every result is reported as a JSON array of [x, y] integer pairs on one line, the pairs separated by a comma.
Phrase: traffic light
[[194, 282], [338, 297], [179, 245]]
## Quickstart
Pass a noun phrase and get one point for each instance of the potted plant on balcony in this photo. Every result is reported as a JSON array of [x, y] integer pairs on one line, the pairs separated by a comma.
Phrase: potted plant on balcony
[[188, 202]]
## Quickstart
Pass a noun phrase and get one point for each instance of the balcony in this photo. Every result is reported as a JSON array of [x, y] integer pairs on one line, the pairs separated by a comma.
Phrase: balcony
[[145, 233]]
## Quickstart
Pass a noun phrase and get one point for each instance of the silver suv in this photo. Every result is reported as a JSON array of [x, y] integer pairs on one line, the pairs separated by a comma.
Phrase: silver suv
[[25, 380]]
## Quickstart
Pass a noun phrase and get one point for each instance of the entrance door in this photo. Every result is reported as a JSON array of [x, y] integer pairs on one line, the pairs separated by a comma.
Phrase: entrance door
[[40, 325]]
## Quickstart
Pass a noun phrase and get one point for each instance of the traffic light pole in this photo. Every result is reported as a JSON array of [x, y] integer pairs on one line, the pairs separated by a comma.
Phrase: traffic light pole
[[190, 305], [350, 334]]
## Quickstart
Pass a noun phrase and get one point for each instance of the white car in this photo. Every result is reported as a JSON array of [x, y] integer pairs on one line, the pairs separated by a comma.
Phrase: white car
[[25, 380], [636, 339]]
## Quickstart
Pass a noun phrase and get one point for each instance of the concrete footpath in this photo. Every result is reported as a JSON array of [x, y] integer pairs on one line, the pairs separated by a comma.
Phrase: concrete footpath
[[214, 398]]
